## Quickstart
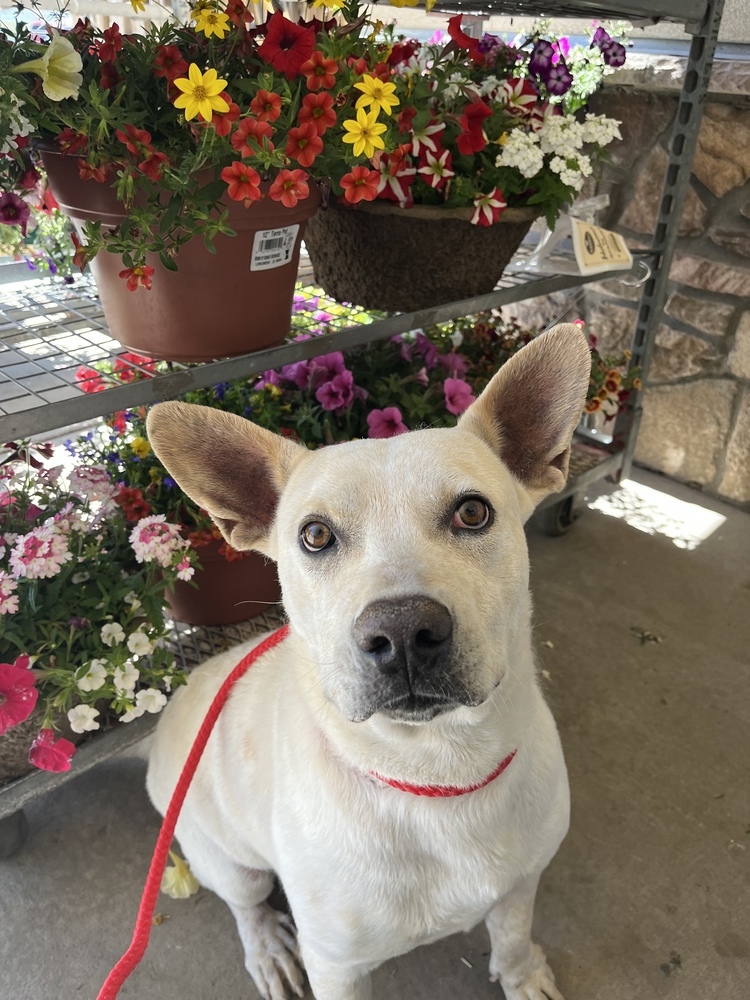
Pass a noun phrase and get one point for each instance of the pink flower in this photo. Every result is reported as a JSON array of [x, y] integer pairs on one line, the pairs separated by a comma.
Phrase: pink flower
[[455, 365], [386, 423], [17, 693], [184, 570], [426, 348], [300, 373], [40, 554], [50, 754], [92, 482], [458, 395], [154, 540], [326, 367], [14, 211], [8, 597], [338, 392]]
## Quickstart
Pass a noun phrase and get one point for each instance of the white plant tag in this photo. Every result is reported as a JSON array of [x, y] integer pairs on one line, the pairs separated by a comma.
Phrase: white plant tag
[[598, 249], [273, 247]]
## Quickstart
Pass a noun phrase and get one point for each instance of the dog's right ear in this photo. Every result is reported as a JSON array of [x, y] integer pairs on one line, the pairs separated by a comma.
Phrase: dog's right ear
[[229, 466]]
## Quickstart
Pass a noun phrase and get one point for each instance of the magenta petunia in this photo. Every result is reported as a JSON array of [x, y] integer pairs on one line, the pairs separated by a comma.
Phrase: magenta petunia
[[300, 373], [458, 395], [386, 423], [429, 352], [337, 392], [18, 695], [456, 365], [50, 754], [326, 367]]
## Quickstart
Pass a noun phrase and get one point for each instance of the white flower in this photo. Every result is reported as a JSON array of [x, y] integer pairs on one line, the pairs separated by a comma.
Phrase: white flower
[[94, 676], [40, 554], [521, 150], [133, 601], [60, 68], [82, 719], [456, 339], [151, 700], [126, 678], [154, 540], [600, 130], [178, 881], [113, 634], [139, 644], [131, 714], [8, 596], [92, 482], [77, 578]]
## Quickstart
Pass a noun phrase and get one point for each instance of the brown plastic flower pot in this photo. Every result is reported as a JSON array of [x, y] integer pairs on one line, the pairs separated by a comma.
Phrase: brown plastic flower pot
[[216, 305], [380, 256], [227, 592]]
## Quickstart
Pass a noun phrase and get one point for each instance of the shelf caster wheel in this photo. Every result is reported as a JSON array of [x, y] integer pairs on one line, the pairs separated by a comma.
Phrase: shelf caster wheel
[[14, 830], [558, 520]]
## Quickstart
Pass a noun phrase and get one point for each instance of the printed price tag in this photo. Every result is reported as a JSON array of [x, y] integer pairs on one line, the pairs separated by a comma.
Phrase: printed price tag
[[599, 249], [273, 248]]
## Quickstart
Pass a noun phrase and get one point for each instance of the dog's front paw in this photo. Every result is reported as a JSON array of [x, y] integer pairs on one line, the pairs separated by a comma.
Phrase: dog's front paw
[[271, 954], [536, 984]]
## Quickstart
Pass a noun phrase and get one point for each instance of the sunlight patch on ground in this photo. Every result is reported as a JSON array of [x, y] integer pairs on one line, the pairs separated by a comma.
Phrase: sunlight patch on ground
[[657, 513]]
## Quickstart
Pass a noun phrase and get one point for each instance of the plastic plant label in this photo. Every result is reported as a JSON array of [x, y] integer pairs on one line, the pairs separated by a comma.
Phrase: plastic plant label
[[598, 249], [273, 248]]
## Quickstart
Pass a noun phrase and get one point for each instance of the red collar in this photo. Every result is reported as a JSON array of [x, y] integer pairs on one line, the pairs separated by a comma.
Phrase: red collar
[[445, 791]]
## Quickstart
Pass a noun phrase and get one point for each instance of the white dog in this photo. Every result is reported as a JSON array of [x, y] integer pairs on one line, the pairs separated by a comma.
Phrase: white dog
[[392, 760]]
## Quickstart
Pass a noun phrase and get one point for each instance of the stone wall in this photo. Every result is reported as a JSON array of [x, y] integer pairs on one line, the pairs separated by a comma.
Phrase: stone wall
[[696, 419]]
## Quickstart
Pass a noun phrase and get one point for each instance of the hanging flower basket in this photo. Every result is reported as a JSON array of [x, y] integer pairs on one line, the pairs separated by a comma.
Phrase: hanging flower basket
[[231, 302], [380, 256]]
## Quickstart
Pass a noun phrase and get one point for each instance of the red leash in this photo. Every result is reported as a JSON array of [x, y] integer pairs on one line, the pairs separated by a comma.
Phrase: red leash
[[142, 931]]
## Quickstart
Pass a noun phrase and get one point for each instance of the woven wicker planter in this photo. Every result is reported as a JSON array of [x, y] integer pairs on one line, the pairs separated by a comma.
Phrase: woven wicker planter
[[381, 256]]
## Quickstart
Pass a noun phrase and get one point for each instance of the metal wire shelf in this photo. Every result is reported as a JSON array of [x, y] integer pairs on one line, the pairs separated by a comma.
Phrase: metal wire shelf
[[681, 11], [48, 331]]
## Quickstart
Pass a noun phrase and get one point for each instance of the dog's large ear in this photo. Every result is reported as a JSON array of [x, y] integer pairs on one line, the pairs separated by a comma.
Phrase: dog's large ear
[[229, 466], [529, 410]]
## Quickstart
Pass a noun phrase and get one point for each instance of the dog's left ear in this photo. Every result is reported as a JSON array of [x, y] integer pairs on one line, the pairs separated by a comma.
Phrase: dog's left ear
[[529, 410]]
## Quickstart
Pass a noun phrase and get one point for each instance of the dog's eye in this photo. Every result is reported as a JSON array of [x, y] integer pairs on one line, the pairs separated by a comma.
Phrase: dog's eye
[[473, 513], [315, 536]]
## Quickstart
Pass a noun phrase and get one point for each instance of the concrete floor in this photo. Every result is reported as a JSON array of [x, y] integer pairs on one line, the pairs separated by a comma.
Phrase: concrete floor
[[649, 896]]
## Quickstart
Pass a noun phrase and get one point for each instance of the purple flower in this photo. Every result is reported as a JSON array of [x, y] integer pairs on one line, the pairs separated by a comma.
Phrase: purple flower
[[425, 347], [541, 59], [559, 79], [300, 373], [455, 365], [404, 348], [421, 378], [489, 43], [322, 317], [169, 482], [600, 36], [458, 395], [14, 211], [562, 49], [386, 423], [326, 367], [613, 53], [270, 377], [337, 393]]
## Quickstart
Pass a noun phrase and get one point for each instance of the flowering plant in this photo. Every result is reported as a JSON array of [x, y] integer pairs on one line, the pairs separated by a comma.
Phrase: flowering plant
[[82, 628]]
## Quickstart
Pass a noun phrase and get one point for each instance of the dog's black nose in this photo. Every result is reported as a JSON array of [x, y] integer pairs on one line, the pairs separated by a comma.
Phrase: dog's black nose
[[404, 634]]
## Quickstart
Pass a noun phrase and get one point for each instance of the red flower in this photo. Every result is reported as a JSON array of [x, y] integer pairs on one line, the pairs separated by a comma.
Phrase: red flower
[[118, 422], [304, 144], [152, 165], [137, 277], [112, 44], [238, 14], [286, 45], [169, 63], [317, 110], [17, 693], [402, 52], [50, 754], [230, 554], [320, 71], [136, 140], [266, 106], [88, 172], [251, 128], [472, 138], [71, 141], [406, 117], [223, 121], [289, 187], [463, 41], [81, 255], [242, 181], [30, 179], [361, 184], [109, 76], [89, 379], [129, 366], [134, 505]]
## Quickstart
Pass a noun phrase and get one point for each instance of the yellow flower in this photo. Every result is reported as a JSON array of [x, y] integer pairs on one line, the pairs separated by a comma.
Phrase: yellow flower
[[211, 22], [377, 94], [501, 139], [331, 4], [200, 93], [59, 68], [140, 447], [365, 133], [138, 5], [179, 882], [411, 3], [273, 391], [637, 384]]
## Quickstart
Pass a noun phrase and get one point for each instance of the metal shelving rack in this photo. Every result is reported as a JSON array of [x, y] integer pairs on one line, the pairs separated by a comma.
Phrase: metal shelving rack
[[43, 342]]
